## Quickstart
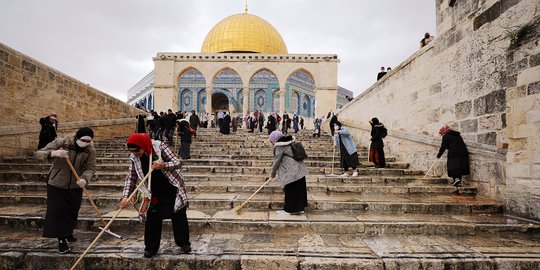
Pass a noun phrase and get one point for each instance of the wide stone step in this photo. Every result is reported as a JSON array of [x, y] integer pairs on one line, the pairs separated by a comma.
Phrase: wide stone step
[[400, 203], [244, 186], [268, 221], [248, 251]]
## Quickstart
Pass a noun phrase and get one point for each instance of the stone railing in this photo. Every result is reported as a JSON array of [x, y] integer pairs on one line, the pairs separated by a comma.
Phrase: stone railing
[[19, 141]]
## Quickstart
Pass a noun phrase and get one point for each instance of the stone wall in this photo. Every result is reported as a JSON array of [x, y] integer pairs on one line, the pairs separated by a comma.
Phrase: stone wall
[[30, 90], [481, 76]]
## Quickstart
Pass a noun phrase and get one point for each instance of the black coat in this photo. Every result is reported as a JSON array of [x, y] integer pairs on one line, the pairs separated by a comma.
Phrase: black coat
[[376, 136], [185, 134], [271, 124], [225, 125], [458, 156], [194, 121], [47, 133]]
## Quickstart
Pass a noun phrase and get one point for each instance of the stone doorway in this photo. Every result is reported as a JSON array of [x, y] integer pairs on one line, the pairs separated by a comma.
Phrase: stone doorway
[[220, 102]]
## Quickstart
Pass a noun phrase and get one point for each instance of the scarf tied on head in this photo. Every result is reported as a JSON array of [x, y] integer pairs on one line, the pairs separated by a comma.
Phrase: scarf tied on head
[[444, 130], [275, 135], [141, 140]]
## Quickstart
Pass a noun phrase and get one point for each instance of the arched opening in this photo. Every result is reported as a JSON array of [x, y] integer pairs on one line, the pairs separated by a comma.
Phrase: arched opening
[[228, 83], [300, 86], [306, 105], [275, 100], [220, 102], [190, 83], [261, 85]]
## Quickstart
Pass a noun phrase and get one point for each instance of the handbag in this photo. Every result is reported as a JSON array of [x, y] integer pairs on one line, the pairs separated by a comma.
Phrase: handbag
[[142, 199], [142, 202], [191, 130]]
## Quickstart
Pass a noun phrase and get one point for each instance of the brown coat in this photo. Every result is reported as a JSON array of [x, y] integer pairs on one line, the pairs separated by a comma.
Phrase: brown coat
[[60, 174]]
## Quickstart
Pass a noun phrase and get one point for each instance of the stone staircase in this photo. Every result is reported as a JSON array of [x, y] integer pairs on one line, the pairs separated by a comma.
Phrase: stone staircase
[[390, 218]]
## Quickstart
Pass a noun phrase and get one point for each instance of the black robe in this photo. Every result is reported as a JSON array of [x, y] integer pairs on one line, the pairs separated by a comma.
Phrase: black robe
[[225, 125], [47, 133], [458, 155]]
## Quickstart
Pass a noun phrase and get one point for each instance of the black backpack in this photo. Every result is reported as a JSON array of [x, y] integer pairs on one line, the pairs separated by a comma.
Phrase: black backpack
[[299, 153], [384, 132]]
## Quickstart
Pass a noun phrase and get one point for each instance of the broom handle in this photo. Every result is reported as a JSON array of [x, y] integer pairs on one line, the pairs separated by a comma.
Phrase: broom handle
[[246, 201], [85, 191], [112, 219], [430, 167], [333, 159]]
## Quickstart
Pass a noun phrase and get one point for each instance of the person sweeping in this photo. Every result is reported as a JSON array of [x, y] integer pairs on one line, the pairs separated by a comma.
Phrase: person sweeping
[[290, 173], [64, 192], [168, 192], [458, 155]]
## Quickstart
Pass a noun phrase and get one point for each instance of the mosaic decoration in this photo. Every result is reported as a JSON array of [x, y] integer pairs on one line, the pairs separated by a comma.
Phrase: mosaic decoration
[[302, 84], [306, 106], [201, 100], [186, 100], [261, 87], [240, 97], [188, 83]]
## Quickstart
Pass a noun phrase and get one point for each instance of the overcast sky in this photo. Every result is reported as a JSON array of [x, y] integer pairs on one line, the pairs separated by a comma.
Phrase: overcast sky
[[109, 44]]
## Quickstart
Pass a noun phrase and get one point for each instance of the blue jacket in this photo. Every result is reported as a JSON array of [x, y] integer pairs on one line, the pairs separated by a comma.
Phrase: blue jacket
[[348, 141]]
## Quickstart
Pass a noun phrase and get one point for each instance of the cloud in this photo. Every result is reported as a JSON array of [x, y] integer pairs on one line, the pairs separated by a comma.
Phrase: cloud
[[110, 44]]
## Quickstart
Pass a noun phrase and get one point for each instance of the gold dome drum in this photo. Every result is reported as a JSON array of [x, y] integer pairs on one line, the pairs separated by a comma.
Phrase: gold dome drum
[[244, 33]]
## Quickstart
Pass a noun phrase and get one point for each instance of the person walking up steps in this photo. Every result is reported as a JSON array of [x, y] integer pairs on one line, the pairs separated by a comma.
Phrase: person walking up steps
[[185, 139], [49, 126], [64, 192], [347, 150], [376, 151], [290, 173], [458, 155]]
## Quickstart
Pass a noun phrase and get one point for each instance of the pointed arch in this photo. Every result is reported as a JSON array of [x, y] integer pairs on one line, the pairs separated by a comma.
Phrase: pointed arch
[[299, 85], [261, 86]]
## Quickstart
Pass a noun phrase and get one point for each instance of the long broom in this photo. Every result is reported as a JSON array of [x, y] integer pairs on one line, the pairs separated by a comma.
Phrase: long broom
[[112, 219], [430, 167], [333, 161], [91, 201], [240, 207]]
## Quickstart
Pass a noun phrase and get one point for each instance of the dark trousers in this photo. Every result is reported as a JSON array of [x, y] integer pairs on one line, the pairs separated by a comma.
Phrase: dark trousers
[[154, 224], [376, 155], [295, 196]]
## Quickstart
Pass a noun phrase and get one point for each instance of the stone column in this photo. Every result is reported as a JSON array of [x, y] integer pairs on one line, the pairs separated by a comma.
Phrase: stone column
[[195, 99], [325, 100], [208, 106], [282, 94], [245, 104]]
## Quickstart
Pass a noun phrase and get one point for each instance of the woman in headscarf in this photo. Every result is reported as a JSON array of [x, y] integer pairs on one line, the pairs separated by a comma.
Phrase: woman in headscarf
[[458, 156], [225, 124], [49, 126], [347, 149], [290, 173], [64, 191], [185, 139], [376, 149], [166, 184]]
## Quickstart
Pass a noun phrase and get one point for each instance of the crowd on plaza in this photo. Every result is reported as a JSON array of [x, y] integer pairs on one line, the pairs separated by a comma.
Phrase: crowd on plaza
[[152, 158]]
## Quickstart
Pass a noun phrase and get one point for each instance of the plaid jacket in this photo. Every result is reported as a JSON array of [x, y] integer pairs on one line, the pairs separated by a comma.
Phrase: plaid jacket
[[171, 171]]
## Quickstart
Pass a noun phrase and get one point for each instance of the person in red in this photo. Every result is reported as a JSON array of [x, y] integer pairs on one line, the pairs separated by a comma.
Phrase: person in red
[[166, 184]]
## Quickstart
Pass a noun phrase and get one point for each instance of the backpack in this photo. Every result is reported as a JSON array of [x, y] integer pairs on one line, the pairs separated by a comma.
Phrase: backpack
[[299, 153], [384, 132]]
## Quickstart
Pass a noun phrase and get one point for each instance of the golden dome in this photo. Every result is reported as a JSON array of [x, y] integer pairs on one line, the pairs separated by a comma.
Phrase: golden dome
[[244, 33]]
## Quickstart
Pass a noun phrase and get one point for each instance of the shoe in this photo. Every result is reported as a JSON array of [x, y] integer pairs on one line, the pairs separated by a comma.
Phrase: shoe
[[186, 249], [344, 175], [355, 173], [457, 182], [149, 253], [298, 213], [63, 247], [282, 212], [71, 239]]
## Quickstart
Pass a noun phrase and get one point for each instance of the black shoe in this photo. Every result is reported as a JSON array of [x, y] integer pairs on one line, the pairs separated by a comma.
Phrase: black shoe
[[63, 247], [71, 239], [149, 253], [186, 249], [457, 182]]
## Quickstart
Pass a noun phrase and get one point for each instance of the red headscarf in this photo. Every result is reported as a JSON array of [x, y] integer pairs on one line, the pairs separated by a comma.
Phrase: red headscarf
[[444, 130], [141, 140]]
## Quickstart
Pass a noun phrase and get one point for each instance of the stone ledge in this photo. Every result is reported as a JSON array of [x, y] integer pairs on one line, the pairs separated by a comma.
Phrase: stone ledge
[[23, 129]]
